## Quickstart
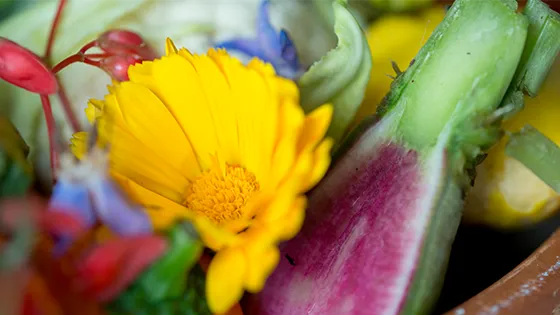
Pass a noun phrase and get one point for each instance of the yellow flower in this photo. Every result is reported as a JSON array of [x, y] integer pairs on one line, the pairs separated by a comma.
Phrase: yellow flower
[[227, 146], [398, 38]]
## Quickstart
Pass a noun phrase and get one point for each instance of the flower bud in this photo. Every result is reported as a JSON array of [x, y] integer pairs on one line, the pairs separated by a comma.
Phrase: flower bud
[[124, 48], [22, 68], [117, 66]]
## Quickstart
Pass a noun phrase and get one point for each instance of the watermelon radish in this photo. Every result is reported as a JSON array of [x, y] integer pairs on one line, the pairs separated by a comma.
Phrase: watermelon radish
[[380, 225]]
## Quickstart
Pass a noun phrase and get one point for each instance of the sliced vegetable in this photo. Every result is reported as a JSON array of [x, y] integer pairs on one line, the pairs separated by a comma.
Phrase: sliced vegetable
[[381, 224], [538, 153], [506, 194]]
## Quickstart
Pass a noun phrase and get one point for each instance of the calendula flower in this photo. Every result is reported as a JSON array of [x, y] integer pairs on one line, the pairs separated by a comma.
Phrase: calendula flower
[[191, 23], [224, 145]]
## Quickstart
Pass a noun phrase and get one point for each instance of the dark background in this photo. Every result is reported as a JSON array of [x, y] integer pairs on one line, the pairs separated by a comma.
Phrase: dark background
[[481, 256]]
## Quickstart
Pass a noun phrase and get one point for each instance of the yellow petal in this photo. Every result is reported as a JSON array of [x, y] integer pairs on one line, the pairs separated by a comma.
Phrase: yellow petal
[[262, 261], [293, 221], [170, 47], [180, 89], [223, 112], [152, 124], [163, 212], [94, 110], [213, 236], [321, 162], [315, 127], [292, 118], [224, 280], [146, 169], [78, 144]]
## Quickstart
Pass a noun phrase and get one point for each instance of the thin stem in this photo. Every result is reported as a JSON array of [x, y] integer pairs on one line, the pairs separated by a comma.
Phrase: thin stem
[[51, 125], [54, 27], [68, 61], [87, 46], [68, 110], [73, 59], [92, 56]]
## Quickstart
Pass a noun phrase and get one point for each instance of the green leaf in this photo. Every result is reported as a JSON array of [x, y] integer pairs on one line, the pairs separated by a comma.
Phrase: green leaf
[[340, 77], [175, 284], [163, 279], [15, 170], [191, 302]]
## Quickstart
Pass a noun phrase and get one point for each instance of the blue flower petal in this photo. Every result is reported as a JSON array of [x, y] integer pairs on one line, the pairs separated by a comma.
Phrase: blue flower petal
[[116, 211], [249, 47], [278, 49], [74, 199], [266, 34], [288, 50]]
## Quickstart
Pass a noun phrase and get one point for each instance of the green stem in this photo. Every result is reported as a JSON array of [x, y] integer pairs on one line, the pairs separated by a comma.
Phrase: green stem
[[459, 77], [543, 45], [538, 153], [541, 49]]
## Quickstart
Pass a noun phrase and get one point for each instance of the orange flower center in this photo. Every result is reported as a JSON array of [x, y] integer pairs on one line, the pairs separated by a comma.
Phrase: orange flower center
[[221, 196]]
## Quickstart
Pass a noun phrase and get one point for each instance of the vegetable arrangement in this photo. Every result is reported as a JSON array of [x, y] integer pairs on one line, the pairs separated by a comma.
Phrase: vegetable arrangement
[[203, 175]]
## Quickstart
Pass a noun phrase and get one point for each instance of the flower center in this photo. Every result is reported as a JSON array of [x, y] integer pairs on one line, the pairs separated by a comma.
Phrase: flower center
[[221, 197]]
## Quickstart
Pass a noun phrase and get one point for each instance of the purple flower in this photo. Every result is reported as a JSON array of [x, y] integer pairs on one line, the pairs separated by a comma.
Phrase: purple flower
[[276, 48]]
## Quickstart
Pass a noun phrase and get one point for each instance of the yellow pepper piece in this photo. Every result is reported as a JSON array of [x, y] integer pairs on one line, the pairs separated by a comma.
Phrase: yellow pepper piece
[[506, 194]]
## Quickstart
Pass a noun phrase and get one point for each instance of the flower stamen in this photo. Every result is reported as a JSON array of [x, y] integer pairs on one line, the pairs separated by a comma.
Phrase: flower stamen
[[221, 198]]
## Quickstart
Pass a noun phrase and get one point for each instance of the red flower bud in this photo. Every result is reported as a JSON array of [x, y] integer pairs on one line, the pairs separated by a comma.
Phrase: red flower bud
[[24, 69], [117, 66], [124, 42], [124, 37], [124, 48]]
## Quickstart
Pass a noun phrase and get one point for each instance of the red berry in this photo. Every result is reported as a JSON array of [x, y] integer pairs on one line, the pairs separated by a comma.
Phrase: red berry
[[24, 69]]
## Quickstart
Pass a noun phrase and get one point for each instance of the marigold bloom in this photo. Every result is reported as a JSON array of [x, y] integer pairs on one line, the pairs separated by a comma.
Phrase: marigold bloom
[[225, 145]]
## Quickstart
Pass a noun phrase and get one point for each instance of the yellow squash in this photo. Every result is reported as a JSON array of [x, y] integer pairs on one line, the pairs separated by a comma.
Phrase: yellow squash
[[506, 194]]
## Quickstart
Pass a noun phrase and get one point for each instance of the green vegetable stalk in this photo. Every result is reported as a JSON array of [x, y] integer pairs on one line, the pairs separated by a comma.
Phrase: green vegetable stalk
[[380, 225], [538, 153]]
